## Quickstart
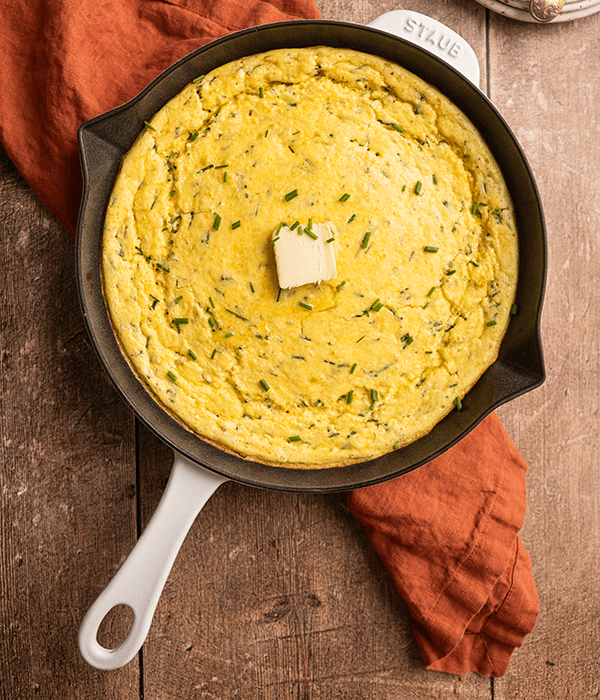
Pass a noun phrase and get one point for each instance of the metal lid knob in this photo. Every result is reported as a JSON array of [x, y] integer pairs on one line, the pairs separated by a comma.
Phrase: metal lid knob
[[545, 10]]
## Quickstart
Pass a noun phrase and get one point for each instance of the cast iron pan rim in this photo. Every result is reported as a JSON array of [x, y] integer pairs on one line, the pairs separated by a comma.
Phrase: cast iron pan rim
[[293, 479]]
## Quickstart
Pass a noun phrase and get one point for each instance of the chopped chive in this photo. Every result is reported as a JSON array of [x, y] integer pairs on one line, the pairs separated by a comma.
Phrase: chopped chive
[[295, 438], [378, 307], [172, 193], [434, 179], [450, 272], [278, 294], [225, 176], [350, 396], [365, 240], [192, 354], [172, 376], [430, 249], [344, 198], [374, 395], [403, 188], [294, 226], [362, 336], [275, 239], [409, 340], [233, 313], [418, 187], [251, 287], [458, 403], [291, 195], [212, 303], [162, 267], [193, 136], [396, 446], [208, 167], [266, 133], [260, 92], [211, 322], [431, 291], [329, 240], [353, 368], [351, 219], [228, 335], [398, 128], [154, 303], [176, 301], [214, 352], [149, 126], [309, 224], [341, 284], [306, 306], [236, 224], [264, 385], [490, 323], [198, 79], [220, 167], [311, 234], [472, 262], [513, 309], [179, 321]]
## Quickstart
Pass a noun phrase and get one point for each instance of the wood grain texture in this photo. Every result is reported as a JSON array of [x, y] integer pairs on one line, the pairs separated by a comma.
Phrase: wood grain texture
[[67, 481], [547, 84], [279, 595]]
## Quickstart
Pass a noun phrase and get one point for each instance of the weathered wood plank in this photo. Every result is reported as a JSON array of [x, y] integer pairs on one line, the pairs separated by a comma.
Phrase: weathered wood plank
[[546, 81], [67, 486]]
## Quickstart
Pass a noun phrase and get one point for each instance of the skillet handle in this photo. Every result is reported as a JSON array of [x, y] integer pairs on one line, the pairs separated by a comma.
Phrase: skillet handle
[[140, 580], [433, 36]]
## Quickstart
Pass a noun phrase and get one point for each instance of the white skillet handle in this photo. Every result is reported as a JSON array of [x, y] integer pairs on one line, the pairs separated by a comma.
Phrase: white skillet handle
[[140, 580], [433, 36]]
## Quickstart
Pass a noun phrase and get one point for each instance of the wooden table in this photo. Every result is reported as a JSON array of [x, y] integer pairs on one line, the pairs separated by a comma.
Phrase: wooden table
[[280, 595]]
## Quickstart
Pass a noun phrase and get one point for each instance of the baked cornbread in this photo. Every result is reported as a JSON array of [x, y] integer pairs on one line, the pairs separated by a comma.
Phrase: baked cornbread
[[425, 242]]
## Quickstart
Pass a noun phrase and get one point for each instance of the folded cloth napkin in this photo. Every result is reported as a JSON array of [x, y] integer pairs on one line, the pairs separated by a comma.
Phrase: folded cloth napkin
[[447, 532]]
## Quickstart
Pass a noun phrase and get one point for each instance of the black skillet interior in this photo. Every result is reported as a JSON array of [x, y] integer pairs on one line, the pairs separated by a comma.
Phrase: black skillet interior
[[519, 368]]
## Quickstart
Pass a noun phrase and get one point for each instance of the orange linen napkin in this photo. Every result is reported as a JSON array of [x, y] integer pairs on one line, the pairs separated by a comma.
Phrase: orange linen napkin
[[446, 532]]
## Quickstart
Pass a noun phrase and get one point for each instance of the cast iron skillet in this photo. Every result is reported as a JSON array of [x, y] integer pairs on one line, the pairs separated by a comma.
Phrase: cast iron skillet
[[519, 367]]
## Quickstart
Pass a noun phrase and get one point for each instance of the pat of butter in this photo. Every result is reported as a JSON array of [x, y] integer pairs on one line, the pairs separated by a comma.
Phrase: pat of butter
[[303, 258]]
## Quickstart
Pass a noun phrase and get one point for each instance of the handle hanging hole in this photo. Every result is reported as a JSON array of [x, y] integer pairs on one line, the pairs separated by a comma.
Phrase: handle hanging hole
[[115, 626]]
